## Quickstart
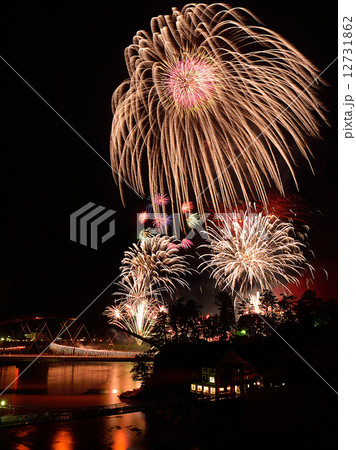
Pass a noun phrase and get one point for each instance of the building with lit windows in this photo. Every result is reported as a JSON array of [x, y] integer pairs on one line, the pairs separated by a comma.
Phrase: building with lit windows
[[224, 373]]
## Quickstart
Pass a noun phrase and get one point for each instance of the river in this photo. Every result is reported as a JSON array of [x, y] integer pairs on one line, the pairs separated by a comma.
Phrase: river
[[75, 384]]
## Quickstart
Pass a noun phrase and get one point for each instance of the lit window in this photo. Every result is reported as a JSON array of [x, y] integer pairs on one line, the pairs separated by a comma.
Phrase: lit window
[[212, 390], [199, 388], [211, 379], [237, 390], [206, 389], [193, 387], [221, 389], [228, 388]]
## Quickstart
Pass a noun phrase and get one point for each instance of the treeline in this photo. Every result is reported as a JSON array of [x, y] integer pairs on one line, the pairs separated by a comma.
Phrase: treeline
[[184, 322]]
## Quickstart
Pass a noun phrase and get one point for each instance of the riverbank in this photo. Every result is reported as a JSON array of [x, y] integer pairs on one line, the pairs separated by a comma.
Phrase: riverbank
[[303, 416]]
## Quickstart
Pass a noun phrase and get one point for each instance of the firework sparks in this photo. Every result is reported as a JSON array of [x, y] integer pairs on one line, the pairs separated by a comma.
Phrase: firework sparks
[[146, 234], [173, 246], [143, 217], [187, 207], [186, 244], [210, 93], [162, 221], [193, 220], [157, 260], [137, 316], [161, 199], [254, 255]]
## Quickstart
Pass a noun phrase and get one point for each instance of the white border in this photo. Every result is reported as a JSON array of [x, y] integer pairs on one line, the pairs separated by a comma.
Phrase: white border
[[347, 244]]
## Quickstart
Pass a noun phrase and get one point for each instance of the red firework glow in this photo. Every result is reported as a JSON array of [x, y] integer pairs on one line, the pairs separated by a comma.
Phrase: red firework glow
[[191, 82]]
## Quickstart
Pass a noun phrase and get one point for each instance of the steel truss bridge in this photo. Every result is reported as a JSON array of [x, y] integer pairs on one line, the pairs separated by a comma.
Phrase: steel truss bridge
[[64, 336]]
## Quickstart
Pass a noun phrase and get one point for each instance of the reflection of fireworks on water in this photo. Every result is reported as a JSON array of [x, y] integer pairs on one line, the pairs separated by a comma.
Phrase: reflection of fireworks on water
[[212, 102], [255, 254], [157, 260]]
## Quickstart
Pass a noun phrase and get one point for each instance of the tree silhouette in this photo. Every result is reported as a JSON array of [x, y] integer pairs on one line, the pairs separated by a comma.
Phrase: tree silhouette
[[227, 321]]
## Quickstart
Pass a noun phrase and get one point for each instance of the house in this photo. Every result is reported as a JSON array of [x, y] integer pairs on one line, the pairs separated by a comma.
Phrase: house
[[209, 368], [224, 373]]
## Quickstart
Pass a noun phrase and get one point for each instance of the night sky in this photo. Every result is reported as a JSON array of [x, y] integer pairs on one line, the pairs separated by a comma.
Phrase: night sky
[[72, 53]]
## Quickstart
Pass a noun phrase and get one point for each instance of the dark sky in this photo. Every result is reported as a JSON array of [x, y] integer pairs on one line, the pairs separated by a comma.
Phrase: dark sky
[[72, 53]]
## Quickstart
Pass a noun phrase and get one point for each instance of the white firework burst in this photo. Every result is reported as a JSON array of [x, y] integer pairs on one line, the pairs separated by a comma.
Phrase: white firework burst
[[251, 252]]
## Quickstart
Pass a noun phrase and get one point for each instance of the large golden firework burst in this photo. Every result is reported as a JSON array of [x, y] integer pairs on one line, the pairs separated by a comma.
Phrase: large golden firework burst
[[211, 107]]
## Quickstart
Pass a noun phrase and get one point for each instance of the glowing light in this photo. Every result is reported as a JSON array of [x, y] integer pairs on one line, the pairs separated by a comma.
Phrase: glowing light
[[2, 403], [190, 82], [143, 217], [187, 207], [203, 86], [157, 263], [161, 199], [146, 234], [186, 243], [162, 221], [255, 302], [255, 255], [137, 316], [193, 220]]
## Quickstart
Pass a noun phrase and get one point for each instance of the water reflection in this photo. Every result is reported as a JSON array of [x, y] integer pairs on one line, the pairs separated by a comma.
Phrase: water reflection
[[66, 384], [62, 440]]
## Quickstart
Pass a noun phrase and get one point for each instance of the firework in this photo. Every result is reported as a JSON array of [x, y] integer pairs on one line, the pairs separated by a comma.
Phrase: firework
[[187, 207], [213, 102], [254, 255], [193, 220], [186, 243], [143, 217], [137, 316], [133, 288], [162, 221], [157, 260], [161, 199], [138, 305], [173, 246], [146, 234]]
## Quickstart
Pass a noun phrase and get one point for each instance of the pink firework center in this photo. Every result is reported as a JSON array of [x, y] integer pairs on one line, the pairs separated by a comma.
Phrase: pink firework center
[[191, 82]]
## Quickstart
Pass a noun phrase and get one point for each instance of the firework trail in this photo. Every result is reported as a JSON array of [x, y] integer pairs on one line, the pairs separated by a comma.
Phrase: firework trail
[[252, 252], [137, 316], [213, 105]]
